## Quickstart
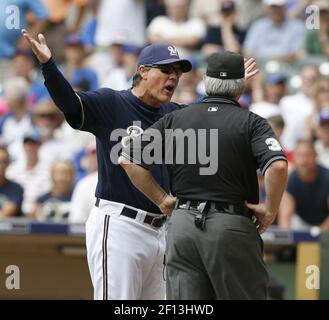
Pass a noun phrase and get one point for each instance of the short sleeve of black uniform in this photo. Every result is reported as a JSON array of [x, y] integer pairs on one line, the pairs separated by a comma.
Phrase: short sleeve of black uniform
[[97, 110], [148, 148], [265, 146]]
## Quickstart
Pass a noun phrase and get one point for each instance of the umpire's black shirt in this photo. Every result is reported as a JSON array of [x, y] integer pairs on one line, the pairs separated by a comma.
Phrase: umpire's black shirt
[[238, 140]]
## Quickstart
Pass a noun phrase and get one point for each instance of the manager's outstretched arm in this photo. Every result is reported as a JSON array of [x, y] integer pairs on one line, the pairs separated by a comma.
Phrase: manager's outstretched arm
[[143, 180], [58, 87]]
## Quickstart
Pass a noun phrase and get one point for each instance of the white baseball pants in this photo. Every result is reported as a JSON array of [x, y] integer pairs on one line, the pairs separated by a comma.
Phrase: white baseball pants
[[125, 256]]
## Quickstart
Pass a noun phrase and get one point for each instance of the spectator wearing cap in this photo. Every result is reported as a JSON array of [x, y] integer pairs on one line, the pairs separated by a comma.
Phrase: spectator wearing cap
[[177, 28], [81, 78], [306, 200], [227, 36], [120, 78], [11, 193], [13, 18], [274, 90], [82, 199], [30, 173], [321, 145], [17, 121], [275, 36], [47, 119], [23, 66], [55, 204], [297, 108]]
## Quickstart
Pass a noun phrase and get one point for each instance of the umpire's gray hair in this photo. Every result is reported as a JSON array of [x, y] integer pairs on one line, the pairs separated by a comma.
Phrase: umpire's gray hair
[[231, 88]]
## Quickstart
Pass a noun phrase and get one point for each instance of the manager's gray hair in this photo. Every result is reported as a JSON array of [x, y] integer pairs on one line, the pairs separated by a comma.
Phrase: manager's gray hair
[[231, 88]]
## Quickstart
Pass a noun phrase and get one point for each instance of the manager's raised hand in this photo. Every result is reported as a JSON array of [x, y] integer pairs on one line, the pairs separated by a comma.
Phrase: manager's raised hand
[[39, 48]]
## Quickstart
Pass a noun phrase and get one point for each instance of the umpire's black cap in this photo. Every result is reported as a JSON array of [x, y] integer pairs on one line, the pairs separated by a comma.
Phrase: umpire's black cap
[[225, 65], [158, 54]]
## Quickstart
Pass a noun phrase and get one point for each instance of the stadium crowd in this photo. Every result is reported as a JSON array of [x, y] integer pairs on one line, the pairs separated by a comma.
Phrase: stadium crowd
[[48, 171]]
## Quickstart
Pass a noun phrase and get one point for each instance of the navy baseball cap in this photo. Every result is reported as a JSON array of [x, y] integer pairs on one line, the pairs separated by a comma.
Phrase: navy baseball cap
[[162, 54]]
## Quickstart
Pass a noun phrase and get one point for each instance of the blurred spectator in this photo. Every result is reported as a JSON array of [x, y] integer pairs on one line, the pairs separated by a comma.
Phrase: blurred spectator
[[249, 11], [191, 86], [83, 198], [57, 27], [13, 19], [47, 118], [317, 40], [17, 121], [23, 66], [176, 28], [120, 78], [11, 193], [322, 132], [55, 205], [296, 8], [274, 90], [88, 29], [80, 77], [205, 10], [275, 36], [306, 201], [30, 173], [227, 36], [296, 108], [154, 8], [122, 21], [321, 100]]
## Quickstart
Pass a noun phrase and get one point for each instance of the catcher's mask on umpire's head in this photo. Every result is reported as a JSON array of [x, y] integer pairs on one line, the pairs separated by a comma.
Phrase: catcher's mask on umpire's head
[[157, 54]]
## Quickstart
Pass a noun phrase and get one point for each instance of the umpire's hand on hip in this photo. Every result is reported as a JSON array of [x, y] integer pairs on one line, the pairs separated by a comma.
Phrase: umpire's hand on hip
[[264, 217], [39, 48]]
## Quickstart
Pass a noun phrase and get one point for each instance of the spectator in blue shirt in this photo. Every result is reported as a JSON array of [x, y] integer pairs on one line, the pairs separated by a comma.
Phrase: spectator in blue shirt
[[306, 201], [11, 193], [80, 77], [12, 20], [275, 36]]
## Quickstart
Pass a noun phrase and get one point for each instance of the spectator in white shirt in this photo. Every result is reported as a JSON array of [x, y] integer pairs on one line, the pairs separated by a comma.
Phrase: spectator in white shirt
[[17, 121], [30, 174], [176, 28], [83, 198], [296, 109]]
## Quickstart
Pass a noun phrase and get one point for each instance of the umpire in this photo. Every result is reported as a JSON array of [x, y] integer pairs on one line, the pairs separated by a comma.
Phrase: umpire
[[214, 250]]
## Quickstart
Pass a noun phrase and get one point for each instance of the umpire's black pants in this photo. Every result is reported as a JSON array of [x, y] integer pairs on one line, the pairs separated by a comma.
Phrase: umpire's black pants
[[224, 261]]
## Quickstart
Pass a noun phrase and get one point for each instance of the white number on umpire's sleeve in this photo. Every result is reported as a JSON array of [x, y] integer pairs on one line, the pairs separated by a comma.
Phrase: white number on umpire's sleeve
[[273, 144]]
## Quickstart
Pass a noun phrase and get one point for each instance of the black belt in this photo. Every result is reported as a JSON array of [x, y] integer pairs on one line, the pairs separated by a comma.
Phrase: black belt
[[156, 222], [221, 207]]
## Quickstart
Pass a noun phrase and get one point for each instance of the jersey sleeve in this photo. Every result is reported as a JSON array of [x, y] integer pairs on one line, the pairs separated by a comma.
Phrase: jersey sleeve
[[97, 110], [265, 147], [148, 148]]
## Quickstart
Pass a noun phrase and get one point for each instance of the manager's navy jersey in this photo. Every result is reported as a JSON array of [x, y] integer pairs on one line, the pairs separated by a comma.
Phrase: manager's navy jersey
[[101, 112], [244, 142]]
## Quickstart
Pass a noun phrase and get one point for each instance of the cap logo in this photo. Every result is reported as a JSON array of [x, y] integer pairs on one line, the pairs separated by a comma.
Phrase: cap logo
[[212, 109], [173, 51], [223, 74]]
